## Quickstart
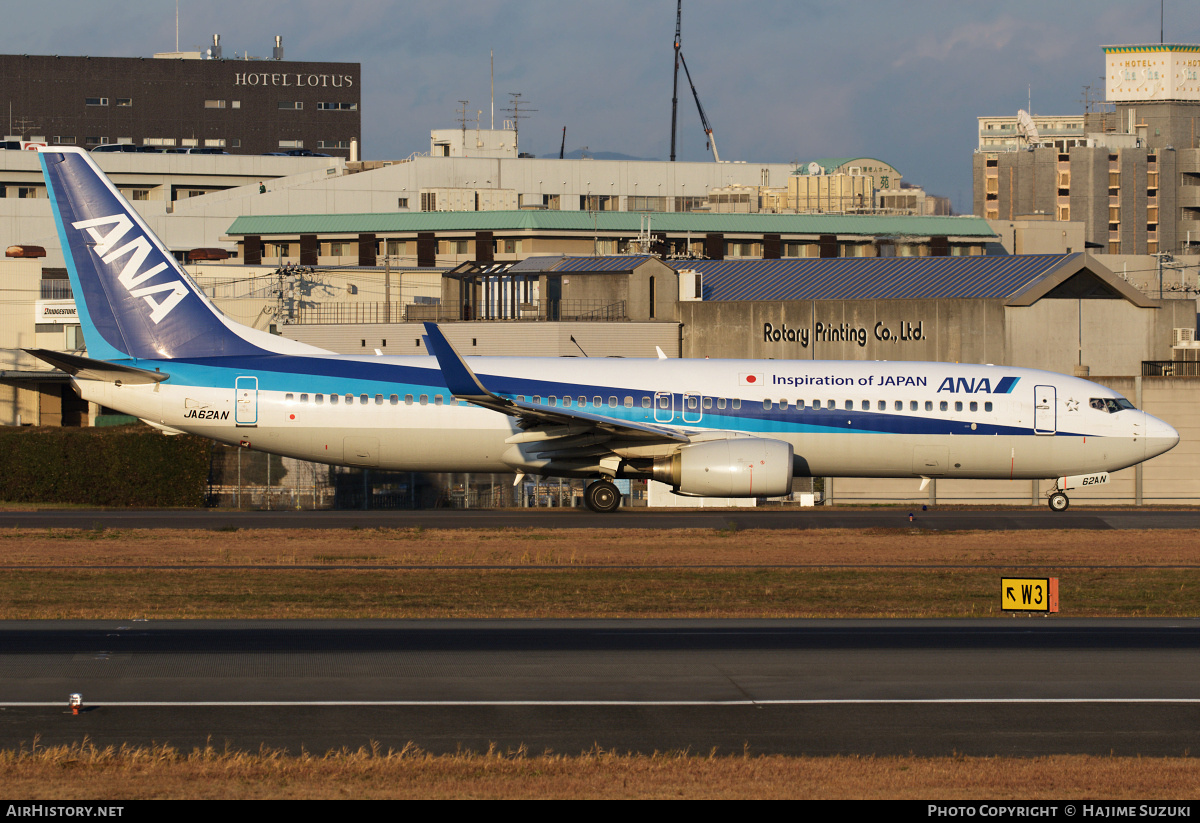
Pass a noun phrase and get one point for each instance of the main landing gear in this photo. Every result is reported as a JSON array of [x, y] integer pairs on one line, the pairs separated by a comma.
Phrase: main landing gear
[[602, 497]]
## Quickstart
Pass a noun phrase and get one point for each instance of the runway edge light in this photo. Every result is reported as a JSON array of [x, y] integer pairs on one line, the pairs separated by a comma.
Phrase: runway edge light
[[1029, 594]]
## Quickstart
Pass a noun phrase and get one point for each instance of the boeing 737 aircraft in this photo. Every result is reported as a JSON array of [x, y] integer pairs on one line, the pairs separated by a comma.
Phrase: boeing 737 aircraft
[[158, 349]]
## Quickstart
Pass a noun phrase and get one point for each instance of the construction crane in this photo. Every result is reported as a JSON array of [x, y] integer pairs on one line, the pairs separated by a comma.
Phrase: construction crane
[[712, 142]]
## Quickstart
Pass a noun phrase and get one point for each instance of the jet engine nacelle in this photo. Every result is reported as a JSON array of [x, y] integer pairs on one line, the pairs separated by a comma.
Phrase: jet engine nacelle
[[739, 467]]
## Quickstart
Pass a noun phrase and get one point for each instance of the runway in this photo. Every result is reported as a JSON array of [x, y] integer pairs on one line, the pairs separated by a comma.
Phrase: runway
[[834, 518], [1019, 686]]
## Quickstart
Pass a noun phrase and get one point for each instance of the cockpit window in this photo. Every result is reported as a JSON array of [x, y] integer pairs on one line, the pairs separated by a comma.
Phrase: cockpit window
[[1112, 405]]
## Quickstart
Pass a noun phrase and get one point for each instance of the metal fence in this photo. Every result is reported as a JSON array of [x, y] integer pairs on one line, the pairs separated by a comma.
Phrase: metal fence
[[538, 310], [364, 312], [57, 290], [1170, 368]]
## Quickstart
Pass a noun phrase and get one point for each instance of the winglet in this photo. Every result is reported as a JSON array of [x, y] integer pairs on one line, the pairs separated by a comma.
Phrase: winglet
[[460, 380]]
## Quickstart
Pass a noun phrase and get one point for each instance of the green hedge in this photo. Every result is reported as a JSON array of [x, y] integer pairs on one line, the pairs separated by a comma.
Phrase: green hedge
[[117, 466]]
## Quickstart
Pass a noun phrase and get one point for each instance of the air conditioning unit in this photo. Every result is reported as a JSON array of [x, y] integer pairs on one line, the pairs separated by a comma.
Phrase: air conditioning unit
[[1183, 338]]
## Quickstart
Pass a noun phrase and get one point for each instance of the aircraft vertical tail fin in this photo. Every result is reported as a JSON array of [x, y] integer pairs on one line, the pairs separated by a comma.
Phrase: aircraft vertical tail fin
[[133, 298]]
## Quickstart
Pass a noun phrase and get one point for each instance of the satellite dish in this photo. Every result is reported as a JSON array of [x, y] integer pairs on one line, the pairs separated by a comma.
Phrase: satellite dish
[[814, 168], [1028, 129]]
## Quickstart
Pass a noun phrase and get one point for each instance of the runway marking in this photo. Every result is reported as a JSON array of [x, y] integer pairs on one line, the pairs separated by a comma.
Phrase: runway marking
[[600, 703]]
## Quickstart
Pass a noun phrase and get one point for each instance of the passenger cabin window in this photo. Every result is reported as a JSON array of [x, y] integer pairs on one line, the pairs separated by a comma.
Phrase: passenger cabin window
[[424, 400], [349, 400], [612, 402], [394, 400], [987, 406], [767, 404], [900, 406], [628, 402], [720, 402], [566, 401], [929, 405], [708, 402], [304, 398], [958, 405], [598, 401], [408, 399], [866, 405], [645, 402], [737, 402], [437, 400], [944, 406], [362, 398], [849, 405], [320, 399], [583, 401], [783, 404], [974, 406]]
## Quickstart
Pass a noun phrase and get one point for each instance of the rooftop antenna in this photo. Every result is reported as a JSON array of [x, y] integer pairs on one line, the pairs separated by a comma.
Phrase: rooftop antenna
[[176, 26], [517, 115], [492, 62], [462, 119]]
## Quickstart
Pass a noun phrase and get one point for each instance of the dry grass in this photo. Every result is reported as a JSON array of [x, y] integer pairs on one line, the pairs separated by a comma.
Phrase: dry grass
[[617, 547], [87, 772], [120, 594], [584, 573]]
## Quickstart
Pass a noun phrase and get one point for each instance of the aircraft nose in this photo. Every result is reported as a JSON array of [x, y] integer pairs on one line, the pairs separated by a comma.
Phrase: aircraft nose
[[1160, 437]]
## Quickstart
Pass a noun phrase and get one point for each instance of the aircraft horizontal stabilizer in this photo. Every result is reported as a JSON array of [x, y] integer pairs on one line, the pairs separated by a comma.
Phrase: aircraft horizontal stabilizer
[[87, 369]]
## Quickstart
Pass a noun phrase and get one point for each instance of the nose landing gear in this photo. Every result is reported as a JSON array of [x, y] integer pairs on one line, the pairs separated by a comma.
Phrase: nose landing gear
[[1058, 501]]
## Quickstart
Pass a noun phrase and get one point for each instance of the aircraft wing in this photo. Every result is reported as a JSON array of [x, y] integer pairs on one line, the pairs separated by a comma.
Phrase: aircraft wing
[[558, 422]]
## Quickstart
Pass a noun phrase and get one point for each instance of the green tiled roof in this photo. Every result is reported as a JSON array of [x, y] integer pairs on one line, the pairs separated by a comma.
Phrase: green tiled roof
[[625, 222]]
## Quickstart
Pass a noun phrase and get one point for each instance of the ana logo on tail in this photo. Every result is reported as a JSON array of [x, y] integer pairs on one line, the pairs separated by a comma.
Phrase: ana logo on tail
[[138, 250]]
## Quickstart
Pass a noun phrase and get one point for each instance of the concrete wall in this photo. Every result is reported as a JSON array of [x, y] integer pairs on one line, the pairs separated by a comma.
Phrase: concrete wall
[[947, 330], [1038, 236], [1116, 335], [20, 286]]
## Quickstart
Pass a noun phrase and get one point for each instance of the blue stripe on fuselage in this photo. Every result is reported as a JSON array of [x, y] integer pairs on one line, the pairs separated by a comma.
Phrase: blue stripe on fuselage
[[321, 375]]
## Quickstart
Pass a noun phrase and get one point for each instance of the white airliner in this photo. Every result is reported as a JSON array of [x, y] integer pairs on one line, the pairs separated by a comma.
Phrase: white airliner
[[158, 349]]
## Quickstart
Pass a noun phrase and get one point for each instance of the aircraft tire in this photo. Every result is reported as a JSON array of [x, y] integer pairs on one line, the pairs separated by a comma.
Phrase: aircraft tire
[[602, 497], [1059, 502]]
